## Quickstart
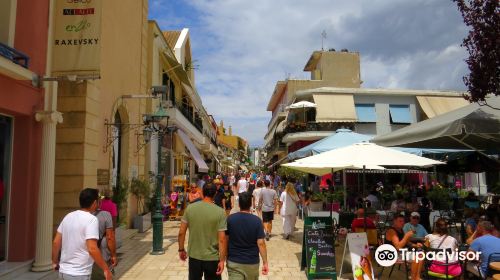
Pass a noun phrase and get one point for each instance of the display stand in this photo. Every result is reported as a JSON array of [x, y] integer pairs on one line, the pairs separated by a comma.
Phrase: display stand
[[361, 261], [318, 248]]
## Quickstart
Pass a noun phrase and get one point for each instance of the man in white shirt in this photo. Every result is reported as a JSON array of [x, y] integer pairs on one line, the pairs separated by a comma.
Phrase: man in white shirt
[[77, 235], [242, 185]]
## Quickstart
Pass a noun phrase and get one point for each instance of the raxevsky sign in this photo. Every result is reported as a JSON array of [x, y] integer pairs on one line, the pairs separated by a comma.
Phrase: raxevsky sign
[[77, 37]]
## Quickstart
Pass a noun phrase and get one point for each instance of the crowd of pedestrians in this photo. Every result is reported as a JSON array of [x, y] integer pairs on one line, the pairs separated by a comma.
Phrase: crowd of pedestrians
[[221, 237]]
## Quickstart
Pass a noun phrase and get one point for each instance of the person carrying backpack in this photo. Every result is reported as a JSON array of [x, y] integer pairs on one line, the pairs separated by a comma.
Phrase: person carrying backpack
[[106, 242]]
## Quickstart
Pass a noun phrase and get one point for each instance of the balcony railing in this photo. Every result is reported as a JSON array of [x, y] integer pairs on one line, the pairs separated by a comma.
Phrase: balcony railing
[[196, 122], [14, 55], [295, 127]]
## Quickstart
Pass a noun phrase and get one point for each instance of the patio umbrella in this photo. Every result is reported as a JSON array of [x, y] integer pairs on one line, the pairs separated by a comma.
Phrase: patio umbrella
[[341, 138], [302, 105], [357, 156], [474, 126]]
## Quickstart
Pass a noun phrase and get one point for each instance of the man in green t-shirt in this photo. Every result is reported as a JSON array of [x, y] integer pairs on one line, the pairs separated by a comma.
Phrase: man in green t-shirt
[[207, 247]]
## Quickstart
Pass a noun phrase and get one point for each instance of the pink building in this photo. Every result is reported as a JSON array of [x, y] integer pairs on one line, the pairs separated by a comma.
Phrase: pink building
[[23, 48]]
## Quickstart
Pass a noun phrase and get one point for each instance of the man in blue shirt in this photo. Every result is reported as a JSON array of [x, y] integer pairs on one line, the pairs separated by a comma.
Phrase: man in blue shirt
[[246, 240], [487, 244], [414, 225]]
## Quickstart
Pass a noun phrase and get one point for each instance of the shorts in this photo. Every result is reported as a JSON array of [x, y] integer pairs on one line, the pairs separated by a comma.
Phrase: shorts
[[267, 216]]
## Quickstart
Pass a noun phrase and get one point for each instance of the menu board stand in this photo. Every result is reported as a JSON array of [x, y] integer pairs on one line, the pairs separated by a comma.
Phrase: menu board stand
[[318, 248]]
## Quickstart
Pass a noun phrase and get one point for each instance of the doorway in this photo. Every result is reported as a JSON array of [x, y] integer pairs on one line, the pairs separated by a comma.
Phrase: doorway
[[5, 165]]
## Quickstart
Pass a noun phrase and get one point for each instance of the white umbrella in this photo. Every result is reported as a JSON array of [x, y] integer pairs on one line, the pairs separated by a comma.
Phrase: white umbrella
[[358, 156], [367, 154], [302, 105], [321, 169]]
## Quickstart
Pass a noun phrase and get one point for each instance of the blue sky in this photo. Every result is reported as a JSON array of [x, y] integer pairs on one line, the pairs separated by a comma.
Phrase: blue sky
[[243, 47]]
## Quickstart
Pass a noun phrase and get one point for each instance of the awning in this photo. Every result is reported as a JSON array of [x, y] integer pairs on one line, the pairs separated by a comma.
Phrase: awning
[[305, 136], [176, 67], [202, 165], [281, 126], [335, 108], [434, 105]]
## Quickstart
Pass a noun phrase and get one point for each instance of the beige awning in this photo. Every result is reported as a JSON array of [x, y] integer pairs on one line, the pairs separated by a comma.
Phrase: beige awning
[[437, 105], [335, 108], [179, 71]]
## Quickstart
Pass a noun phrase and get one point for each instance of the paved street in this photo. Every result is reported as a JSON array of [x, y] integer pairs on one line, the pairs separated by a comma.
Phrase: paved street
[[136, 263]]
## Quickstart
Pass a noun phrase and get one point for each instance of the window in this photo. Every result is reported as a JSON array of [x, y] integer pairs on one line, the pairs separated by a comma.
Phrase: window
[[7, 21], [366, 113], [400, 114]]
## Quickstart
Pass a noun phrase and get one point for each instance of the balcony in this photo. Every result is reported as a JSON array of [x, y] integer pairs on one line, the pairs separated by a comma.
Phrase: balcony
[[297, 131], [14, 64], [279, 113], [14, 55], [188, 114]]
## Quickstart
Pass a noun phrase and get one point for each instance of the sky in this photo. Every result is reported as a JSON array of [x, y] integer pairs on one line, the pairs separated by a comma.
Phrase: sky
[[242, 48]]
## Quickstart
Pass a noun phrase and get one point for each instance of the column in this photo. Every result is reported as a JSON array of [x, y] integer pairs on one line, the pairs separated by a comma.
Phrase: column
[[45, 209]]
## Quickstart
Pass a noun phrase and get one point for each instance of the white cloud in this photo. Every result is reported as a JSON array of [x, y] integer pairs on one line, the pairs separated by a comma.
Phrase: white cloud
[[243, 47]]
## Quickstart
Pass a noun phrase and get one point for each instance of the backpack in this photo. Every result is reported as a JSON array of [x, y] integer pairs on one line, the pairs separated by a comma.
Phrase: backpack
[[101, 237]]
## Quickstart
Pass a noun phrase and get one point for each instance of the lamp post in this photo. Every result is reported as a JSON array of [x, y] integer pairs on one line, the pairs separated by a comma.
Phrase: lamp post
[[154, 126]]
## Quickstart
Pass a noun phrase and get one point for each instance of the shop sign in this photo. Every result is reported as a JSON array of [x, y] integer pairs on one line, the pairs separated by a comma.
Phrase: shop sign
[[77, 37]]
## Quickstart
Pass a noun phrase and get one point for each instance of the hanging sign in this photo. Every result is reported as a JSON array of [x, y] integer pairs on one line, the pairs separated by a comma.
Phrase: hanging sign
[[76, 44]]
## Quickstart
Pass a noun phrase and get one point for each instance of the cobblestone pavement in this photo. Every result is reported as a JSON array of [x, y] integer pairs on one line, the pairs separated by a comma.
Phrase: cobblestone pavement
[[137, 263], [283, 255]]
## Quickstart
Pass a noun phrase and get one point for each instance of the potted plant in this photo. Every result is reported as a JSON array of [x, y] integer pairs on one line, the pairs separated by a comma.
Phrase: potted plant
[[317, 200], [440, 198], [142, 192]]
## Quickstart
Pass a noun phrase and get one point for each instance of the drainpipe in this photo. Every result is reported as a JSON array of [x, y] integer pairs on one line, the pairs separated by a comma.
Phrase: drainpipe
[[49, 118]]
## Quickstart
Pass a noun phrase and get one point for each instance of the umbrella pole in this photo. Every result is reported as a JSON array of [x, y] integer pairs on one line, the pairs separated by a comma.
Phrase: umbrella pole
[[332, 200], [344, 180], [478, 187], [364, 180]]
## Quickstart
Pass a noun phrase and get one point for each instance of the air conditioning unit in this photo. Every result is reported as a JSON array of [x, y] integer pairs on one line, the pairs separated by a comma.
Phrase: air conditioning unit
[[166, 104]]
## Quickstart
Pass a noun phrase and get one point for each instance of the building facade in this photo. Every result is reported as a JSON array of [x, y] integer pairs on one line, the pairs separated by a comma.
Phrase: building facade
[[22, 57], [343, 105], [234, 150]]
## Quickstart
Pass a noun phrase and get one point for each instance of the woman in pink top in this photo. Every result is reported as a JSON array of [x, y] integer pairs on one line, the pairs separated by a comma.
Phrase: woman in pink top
[[108, 205]]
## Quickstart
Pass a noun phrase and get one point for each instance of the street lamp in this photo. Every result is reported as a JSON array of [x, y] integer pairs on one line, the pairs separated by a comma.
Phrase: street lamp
[[152, 123]]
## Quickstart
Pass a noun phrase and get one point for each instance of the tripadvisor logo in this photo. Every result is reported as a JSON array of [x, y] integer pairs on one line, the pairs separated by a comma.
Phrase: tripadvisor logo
[[387, 255]]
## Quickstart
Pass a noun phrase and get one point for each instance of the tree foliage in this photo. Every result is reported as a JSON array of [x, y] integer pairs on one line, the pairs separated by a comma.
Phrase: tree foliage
[[483, 46]]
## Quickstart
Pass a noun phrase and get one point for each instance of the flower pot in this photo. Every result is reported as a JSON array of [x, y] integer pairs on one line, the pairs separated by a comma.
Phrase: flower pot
[[316, 206], [142, 222]]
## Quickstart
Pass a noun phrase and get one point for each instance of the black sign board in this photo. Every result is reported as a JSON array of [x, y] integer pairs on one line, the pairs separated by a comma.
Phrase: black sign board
[[318, 248]]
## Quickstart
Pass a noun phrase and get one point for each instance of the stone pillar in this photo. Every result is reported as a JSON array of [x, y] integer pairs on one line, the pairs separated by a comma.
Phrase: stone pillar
[[45, 209]]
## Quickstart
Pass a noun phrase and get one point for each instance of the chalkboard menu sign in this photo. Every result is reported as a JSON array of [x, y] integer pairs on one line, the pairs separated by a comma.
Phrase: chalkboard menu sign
[[318, 251]]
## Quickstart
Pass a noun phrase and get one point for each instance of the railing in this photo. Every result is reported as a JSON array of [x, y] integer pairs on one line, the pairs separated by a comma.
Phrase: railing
[[197, 123], [295, 127], [280, 109], [14, 55]]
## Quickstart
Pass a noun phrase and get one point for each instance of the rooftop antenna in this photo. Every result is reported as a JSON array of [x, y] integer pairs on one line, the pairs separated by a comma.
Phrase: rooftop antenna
[[323, 37]]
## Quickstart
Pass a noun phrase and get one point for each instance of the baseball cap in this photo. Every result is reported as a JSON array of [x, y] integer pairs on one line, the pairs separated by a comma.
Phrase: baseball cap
[[415, 214]]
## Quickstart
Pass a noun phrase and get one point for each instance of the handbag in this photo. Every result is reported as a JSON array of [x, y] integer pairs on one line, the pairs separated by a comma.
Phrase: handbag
[[454, 269]]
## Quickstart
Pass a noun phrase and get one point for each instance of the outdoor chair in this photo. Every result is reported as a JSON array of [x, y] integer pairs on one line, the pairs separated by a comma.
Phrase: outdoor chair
[[475, 268], [428, 274]]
